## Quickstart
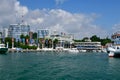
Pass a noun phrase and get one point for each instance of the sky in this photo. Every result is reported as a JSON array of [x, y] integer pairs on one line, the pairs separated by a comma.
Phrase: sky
[[83, 18]]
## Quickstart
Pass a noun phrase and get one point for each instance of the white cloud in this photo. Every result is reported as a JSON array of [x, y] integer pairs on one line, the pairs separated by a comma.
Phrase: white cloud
[[11, 12], [116, 27], [61, 20], [59, 2], [20, 9], [36, 21], [55, 19]]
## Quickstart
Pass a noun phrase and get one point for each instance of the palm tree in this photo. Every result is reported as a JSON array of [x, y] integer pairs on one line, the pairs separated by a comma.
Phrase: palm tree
[[55, 42], [50, 43], [22, 37], [27, 39], [9, 40]]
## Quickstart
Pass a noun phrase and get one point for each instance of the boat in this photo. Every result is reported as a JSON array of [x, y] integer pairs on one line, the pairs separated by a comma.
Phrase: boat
[[47, 49], [60, 49], [114, 49], [3, 49], [73, 50]]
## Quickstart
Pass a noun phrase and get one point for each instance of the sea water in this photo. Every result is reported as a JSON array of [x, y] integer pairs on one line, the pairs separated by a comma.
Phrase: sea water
[[59, 66]]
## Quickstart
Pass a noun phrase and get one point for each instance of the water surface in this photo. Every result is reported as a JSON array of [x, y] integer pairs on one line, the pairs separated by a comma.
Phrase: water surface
[[59, 66]]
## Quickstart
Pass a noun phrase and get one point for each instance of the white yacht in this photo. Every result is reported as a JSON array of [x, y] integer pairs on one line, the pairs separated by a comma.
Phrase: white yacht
[[114, 49]]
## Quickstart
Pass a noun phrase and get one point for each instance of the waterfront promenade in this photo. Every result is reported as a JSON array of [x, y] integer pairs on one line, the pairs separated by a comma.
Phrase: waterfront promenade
[[39, 50], [51, 50]]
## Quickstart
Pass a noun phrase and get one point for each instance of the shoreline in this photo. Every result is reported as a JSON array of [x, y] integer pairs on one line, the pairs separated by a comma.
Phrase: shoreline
[[50, 50]]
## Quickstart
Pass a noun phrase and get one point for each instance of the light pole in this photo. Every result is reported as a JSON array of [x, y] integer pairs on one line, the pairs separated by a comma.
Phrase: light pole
[[38, 42], [12, 43]]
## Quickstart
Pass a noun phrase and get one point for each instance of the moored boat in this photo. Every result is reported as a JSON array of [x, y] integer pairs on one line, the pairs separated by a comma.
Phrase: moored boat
[[73, 50], [114, 49], [3, 49]]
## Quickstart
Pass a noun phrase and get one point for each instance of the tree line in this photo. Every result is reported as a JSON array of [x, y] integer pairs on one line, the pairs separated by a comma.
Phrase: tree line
[[95, 38], [24, 41]]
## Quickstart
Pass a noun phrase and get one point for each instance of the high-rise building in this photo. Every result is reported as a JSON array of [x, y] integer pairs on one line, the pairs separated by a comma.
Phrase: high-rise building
[[15, 30], [42, 33]]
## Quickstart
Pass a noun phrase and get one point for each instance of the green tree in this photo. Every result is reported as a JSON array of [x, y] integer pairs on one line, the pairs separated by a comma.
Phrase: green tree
[[27, 37], [55, 42], [22, 36], [9, 40], [50, 43], [18, 43], [34, 35], [78, 40], [105, 41], [94, 38], [84, 39]]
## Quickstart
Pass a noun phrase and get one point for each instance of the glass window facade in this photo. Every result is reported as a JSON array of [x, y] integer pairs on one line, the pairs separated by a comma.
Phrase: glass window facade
[[42, 33], [16, 30]]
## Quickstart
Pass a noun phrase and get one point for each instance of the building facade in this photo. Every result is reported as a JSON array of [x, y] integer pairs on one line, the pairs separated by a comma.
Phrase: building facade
[[88, 45], [15, 30], [64, 40], [5, 32], [116, 38], [42, 33]]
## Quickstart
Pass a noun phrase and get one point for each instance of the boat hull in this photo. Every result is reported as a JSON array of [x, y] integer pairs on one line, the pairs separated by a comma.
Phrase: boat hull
[[114, 51], [3, 50], [114, 54]]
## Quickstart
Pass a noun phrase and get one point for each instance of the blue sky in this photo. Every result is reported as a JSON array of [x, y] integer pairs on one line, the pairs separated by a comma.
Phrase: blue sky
[[83, 18], [107, 10]]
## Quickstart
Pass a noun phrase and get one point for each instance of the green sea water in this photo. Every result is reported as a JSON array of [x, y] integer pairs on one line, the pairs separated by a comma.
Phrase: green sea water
[[59, 66]]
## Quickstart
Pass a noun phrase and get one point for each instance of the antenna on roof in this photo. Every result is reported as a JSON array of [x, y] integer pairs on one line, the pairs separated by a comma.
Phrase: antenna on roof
[[22, 17], [17, 17]]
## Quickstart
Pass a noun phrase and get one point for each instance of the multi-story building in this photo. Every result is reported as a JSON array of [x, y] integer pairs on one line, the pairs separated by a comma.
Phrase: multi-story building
[[88, 45], [15, 30], [64, 40], [42, 33], [5, 32], [25, 29]]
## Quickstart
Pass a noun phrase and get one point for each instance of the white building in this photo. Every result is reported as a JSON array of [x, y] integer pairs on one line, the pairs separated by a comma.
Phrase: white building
[[88, 45], [15, 30], [42, 33], [5, 32], [64, 40]]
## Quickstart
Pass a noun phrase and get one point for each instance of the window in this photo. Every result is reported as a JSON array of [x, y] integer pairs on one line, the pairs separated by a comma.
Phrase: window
[[118, 48]]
